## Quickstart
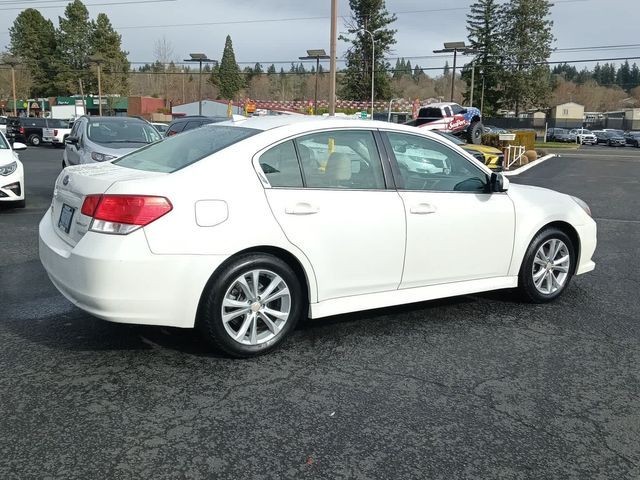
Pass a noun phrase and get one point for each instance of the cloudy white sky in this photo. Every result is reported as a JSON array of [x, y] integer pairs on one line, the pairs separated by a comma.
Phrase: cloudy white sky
[[423, 27]]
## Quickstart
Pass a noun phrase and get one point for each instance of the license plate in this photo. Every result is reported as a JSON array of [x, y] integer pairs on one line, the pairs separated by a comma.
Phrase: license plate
[[66, 215]]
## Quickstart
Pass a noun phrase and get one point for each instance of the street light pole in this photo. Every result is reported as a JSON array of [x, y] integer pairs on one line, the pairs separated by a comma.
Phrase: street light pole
[[200, 58], [373, 66], [315, 55], [455, 47]]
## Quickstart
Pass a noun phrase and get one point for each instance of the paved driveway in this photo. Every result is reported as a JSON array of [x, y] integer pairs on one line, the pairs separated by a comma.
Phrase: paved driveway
[[477, 387]]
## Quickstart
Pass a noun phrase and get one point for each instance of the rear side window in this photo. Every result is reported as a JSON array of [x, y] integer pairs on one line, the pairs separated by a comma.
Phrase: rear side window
[[179, 151], [431, 112], [280, 165], [55, 123], [175, 128]]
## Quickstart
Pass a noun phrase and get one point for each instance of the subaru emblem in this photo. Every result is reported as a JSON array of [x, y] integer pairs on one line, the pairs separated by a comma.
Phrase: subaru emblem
[[65, 180]]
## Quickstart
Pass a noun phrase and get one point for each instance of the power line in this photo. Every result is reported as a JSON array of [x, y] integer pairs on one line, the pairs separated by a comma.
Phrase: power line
[[39, 7]]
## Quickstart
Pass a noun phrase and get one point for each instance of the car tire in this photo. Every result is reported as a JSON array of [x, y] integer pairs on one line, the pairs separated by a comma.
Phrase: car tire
[[231, 294], [474, 133], [35, 140], [547, 267]]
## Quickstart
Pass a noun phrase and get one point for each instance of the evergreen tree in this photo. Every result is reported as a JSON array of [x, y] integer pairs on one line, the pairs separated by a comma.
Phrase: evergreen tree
[[229, 75], [33, 41], [526, 36], [397, 71], [635, 76], [257, 69], [106, 44], [623, 77], [73, 48], [483, 27], [408, 69], [597, 73], [373, 16], [446, 71], [271, 70], [417, 73]]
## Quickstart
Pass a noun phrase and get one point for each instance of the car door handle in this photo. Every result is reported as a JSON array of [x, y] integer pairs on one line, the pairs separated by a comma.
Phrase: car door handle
[[302, 209], [423, 209]]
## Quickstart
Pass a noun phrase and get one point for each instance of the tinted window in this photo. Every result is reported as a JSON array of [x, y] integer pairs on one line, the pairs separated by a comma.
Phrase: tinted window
[[341, 159], [3, 121], [457, 109], [175, 128], [56, 123], [281, 167], [431, 112], [193, 124], [425, 164], [178, 151], [3, 143]]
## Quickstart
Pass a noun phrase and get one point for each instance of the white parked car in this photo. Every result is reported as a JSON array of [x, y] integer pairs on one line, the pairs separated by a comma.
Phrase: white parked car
[[583, 136], [243, 228], [11, 173]]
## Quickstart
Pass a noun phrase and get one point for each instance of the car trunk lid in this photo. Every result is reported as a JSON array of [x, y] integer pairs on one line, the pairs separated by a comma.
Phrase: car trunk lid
[[74, 184]]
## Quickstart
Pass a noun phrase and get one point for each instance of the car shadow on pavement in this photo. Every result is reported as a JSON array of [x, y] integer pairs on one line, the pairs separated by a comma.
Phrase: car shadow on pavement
[[75, 330]]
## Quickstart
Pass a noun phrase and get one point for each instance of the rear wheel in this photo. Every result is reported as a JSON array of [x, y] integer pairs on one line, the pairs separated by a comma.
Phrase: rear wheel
[[252, 306], [547, 267], [35, 140], [474, 133]]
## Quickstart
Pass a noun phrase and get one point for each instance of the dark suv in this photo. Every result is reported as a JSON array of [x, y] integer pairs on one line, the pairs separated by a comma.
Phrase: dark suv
[[189, 123], [29, 129]]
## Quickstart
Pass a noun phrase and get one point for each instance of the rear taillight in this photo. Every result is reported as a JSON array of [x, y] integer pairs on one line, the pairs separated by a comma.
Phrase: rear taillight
[[122, 214], [55, 132], [22, 130]]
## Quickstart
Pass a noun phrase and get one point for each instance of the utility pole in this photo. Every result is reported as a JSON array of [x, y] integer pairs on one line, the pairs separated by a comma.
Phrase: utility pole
[[12, 62], [98, 60], [332, 60], [84, 103]]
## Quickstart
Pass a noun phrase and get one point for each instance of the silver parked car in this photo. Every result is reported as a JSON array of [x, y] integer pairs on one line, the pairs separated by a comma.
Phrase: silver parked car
[[100, 139]]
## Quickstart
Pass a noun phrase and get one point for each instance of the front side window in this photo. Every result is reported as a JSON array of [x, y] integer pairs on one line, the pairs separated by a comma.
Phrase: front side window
[[179, 151], [426, 164], [280, 166], [341, 159], [457, 109]]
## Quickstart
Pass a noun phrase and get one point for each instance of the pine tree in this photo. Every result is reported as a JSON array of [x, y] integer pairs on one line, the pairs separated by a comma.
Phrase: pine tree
[[635, 76], [229, 76], [483, 27], [597, 73], [397, 71], [373, 16], [623, 77], [271, 70], [526, 36], [257, 69], [417, 73], [73, 48], [33, 42], [446, 71], [106, 44]]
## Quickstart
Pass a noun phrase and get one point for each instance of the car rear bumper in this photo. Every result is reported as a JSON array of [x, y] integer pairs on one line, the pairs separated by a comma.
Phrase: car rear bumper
[[117, 278]]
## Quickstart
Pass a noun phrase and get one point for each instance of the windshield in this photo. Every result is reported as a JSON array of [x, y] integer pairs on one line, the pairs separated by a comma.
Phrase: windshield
[[121, 131], [178, 151], [3, 143], [451, 138]]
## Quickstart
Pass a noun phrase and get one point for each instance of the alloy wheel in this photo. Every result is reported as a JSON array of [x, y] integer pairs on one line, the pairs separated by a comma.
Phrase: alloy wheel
[[256, 307], [551, 266]]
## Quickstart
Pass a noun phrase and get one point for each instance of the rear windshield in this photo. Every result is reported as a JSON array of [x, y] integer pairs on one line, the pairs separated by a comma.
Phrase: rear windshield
[[178, 151], [431, 112], [56, 123]]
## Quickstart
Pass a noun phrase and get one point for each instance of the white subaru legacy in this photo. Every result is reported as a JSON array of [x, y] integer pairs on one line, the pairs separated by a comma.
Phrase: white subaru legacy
[[243, 228]]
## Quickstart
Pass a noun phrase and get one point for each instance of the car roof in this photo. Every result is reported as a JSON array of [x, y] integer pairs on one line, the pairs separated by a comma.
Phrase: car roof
[[308, 122], [94, 118]]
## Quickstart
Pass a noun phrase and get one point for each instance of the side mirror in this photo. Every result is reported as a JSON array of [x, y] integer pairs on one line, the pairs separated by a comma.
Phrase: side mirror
[[71, 140], [499, 183], [19, 146]]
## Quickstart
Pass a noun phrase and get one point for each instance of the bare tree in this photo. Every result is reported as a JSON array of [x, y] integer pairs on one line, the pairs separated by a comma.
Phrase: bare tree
[[165, 57]]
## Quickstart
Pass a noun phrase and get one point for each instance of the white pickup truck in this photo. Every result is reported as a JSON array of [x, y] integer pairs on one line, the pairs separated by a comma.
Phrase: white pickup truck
[[56, 132]]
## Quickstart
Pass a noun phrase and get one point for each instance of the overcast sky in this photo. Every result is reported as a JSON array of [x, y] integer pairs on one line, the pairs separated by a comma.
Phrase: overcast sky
[[577, 23]]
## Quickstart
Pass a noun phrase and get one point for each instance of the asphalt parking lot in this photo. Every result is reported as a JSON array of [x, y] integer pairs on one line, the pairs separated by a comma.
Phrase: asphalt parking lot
[[477, 387]]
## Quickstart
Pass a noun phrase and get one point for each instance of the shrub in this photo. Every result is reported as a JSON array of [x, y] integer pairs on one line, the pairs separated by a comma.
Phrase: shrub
[[531, 155], [525, 138]]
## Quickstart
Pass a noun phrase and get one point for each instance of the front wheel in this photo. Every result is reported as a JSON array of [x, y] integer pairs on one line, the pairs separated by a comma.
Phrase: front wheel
[[251, 306], [547, 267]]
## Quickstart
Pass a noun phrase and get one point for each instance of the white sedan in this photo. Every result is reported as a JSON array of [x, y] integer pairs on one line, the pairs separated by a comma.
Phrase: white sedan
[[243, 228], [11, 173]]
